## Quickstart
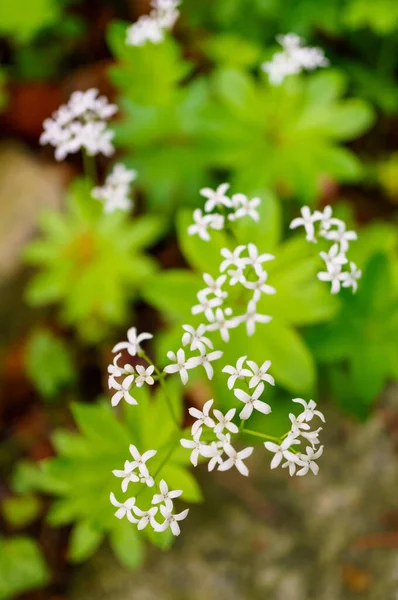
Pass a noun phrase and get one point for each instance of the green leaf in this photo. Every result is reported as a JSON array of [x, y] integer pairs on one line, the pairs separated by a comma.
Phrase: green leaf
[[24, 19], [20, 511], [172, 292], [22, 567], [84, 541], [127, 545]]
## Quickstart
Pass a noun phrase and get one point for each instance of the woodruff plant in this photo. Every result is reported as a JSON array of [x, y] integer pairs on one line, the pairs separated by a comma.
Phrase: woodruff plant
[[242, 281]]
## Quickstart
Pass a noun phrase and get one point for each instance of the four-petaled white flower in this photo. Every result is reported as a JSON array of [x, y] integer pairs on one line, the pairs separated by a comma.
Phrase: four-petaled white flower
[[122, 390], [255, 259], [205, 360], [309, 410], [237, 372], [201, 225], [216, 198], [252, 317], [232, 259], [260, 287], [144, 375], [179, 365], [252, 402], [282, 451], [308, 461], [235, 459], [171, 520], [115, 370], [195, 445], [196, 338], [132, 345], [166, 496], [341, 236], [333, 257], [236, 276], [206, 305], [307, 220], [350, 279], [127, 474], [225, 421], [221, 323], [140, 460], [214, 286], [260, 373], [146, 517], [214, 452], [244, 207], [202, 417], [334, 275], [123, 507]]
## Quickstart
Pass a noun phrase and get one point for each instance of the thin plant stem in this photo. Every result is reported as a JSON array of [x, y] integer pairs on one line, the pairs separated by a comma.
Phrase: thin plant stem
[[261, 435], [160, 375], [89, 167]]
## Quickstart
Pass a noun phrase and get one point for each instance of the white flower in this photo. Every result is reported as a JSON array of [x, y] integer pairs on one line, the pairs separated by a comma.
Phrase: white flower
[[260, 287], [327, 220], [341, 236], [144, 375], [171, 520], [252, 317], [127, 474], [297, 424], [333, 257], [308, 461], [223, 324], [165, 495], [115, 192], [334, 275], [115, 371], [122, 390], [133, 344], [202, 417], [216, 198], [256, 260], [232, 259], [237, 372], [225, 421], [123, 507], [196, 338], [146, 29], [236, 276], [260, 373], [244, 207], [235, 459], [311, 436], [80, 124], [216, 221], [307, 220], [201, 225], [292, 464], [146, 517], [196, 446], [214, 452], [214, 286], [179, 365], [206, 305], [140, 460], [350, 279], [309, 410], [281, 451], [205, 360], [252, 402]]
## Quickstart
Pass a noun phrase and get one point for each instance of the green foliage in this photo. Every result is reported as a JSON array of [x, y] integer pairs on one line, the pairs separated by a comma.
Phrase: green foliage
[[22, 567], [300, 300], [90, 262], [361, 342], [20, 511], [81, 475], [49, 363], [22, 19]]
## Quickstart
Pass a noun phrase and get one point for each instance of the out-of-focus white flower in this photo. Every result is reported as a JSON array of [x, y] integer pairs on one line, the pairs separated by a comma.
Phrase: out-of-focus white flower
[[309, 410], [195, 445], [244, 207], [225, 421], [115, 192], [201, 225], [214, 286], [236, 276], [260, 287], [237, 372], [146, 517], [144, 375], [216, 198], [308, 461], [252, 317], [307, 220], [80, 124], [221, 323], [341, 236], [179, 365], [166, 496], [133, 344], [202, 417], [350, 279], [235, 459], [252, 402], [256, 260], [333, 257], [140, 460], [232, 259], [205, 360], [123, 508], [334, 275], [281, 451], [171, 520], [196, 338], [260, 373], [206, 305], [122, 390], [128, 474]]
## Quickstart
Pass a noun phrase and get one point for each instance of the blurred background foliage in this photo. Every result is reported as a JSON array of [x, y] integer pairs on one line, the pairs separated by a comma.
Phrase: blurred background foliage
[[194, 111]]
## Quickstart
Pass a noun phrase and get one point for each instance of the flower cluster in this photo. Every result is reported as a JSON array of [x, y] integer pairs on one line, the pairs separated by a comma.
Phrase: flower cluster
[[293, 59], [152, 27], [234, 208], [299, 429], [335, 231], [80, 124], [115, 192], [136, 471]]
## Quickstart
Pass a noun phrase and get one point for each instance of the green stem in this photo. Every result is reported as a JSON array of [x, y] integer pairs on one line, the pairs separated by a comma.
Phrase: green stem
[[160, 378], [89, 167], [261, 435]]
